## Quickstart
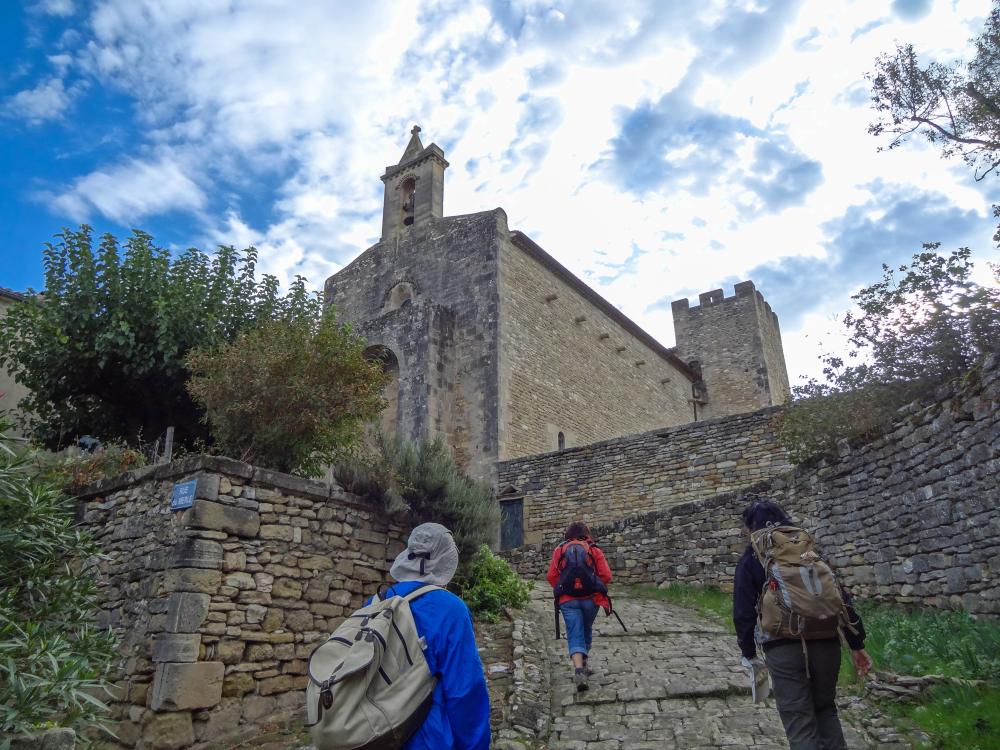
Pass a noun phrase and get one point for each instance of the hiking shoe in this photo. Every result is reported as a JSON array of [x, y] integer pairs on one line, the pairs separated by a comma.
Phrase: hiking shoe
[[580, 678], [586, 668]]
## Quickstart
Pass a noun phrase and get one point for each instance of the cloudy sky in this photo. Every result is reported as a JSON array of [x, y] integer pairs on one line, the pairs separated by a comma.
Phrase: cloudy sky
[[658, 148]]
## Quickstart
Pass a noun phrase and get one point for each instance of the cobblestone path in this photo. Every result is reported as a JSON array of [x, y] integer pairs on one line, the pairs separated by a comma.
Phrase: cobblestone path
[[671, 681]]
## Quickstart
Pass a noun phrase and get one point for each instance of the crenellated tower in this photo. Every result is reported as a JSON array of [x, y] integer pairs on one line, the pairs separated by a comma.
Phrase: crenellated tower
[[736, 342]]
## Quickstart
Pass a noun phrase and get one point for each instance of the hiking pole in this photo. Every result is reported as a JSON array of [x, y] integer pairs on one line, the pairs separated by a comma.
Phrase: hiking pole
[[555, 605], [619, 620]]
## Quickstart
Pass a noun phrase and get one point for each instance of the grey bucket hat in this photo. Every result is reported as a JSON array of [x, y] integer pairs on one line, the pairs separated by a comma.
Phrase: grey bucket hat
[[430, 556]]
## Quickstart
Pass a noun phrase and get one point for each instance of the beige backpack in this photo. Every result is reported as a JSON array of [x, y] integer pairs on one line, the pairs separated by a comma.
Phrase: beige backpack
[[801, 597], [369, 684]]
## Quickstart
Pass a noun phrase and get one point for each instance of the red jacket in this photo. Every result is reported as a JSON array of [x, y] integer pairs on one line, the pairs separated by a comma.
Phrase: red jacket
[[600, 567]]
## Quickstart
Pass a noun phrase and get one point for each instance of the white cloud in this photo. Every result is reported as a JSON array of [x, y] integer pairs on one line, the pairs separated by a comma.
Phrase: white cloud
[[298, 107], [46, 101], [130, 191], [61, 8]]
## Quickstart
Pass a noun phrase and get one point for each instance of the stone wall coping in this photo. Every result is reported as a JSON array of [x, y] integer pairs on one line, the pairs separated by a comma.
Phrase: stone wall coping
[[640, 437], [301, 486]]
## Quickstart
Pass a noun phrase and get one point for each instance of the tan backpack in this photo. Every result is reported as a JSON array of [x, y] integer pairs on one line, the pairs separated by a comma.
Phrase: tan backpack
[[369, 684], [801, 597]]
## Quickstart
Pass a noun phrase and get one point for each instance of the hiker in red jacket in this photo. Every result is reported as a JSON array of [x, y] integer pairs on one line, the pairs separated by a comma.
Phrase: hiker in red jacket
[[579, 575]]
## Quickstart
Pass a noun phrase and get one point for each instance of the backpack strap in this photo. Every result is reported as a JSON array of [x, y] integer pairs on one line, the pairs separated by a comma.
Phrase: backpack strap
[[420, 590]]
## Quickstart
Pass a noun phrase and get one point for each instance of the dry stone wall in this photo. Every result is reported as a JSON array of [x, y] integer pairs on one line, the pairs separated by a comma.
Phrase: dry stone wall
[[912, 518], [220, 605], [637, 474]]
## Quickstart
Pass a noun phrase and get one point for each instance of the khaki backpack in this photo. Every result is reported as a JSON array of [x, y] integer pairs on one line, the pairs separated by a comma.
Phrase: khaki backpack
[[369, 685], [801, 597]]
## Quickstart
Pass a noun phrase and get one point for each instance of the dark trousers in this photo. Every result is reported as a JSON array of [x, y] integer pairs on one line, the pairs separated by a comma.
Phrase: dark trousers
[[807, 704]]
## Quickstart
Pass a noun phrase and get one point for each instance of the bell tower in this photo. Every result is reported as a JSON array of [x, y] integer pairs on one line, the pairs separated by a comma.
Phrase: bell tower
[[414, 188]]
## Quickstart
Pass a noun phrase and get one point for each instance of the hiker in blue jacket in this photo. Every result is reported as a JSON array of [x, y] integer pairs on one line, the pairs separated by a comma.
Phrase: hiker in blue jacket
[[459, 718]]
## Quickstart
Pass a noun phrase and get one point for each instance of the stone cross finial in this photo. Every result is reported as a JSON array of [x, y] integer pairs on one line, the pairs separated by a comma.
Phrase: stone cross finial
[[416, 129]]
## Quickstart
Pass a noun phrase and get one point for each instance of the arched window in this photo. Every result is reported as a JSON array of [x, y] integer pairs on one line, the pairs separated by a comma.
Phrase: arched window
[[400, 295], [562, 441], [409, 189], [389, 421]]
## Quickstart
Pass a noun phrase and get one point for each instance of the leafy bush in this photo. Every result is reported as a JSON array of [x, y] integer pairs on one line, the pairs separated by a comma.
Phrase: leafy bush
[[422, 481], [290, 394], [73, 473], [491, 584], [53, 660], [911, 335], [102, 350]]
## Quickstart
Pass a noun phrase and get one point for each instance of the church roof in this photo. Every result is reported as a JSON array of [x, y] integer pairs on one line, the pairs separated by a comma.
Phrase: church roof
[[414, 147], [10, 294], [529, 246]]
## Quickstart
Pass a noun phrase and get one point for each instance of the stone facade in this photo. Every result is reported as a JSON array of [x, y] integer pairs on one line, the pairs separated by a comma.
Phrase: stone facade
[[736, 342], [220, 605], [912, 517], [638, 474], [502, 352], [569, 365]]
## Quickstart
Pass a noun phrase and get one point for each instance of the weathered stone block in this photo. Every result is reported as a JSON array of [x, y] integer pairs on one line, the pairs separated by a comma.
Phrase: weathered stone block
[[50, 739], [196, 580], [205, 514], [237, 684], [179, 687], [229, 651], [186, 611], [196, 553], [286, 588], [168, 731], [180, 647]]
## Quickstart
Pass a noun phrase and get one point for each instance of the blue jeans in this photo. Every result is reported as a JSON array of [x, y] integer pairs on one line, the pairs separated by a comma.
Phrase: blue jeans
[[579, 614]]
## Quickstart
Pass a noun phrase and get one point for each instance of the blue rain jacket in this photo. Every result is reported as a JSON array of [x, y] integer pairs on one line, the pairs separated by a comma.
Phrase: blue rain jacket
[[459, 718]]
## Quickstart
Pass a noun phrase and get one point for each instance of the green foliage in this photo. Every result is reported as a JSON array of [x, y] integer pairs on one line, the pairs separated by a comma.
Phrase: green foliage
[[102, 350], [422, 480], [72, 473], [54, 662], [956, 717], [937, 642], [921, 642], [911, 334], [709, 601], [955, 106], [491, 584], [291, 394]]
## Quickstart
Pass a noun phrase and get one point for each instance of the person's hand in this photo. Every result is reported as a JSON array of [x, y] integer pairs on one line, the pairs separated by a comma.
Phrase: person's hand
[[862, 662]]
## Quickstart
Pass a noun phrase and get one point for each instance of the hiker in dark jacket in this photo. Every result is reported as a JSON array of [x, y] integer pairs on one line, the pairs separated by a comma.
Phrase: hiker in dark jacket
[[805, 694], [579, 611]]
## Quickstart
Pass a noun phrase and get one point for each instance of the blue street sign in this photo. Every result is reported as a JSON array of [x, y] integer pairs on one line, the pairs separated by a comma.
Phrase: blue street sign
[[183, 496]]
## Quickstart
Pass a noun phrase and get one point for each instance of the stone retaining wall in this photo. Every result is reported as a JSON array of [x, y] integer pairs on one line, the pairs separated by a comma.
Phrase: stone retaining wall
[[220, 605], [912, 517], [637, 474]]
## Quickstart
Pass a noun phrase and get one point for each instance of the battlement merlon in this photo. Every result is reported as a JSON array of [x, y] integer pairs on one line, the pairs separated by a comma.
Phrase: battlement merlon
[[717, 296]]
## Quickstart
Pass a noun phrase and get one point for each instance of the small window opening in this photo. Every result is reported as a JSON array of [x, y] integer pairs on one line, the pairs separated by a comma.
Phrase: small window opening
[[409, 188], [562, 441]]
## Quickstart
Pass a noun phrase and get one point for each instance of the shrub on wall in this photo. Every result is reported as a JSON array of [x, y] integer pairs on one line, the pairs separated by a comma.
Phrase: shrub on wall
[[491, 584], [73, 473], [291, 394], [54, 662], [423, 481], [911, 334]]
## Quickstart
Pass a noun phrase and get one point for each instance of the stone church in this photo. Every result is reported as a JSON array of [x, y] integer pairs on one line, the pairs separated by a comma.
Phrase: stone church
[[501, 351]]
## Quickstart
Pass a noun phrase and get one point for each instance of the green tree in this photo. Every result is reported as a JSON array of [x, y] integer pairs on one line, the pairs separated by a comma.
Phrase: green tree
[[955, 106], [102, 348], [292, 394], [54, 661], [912, 332]]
